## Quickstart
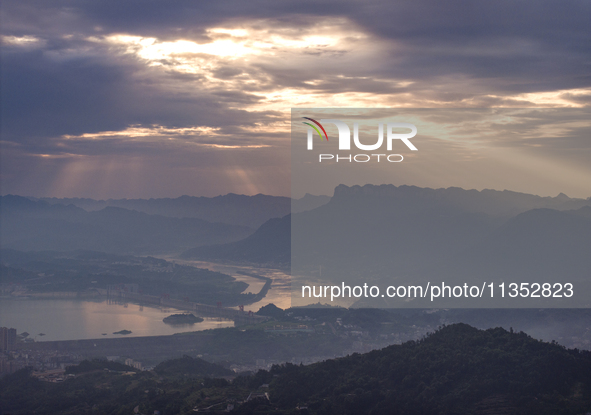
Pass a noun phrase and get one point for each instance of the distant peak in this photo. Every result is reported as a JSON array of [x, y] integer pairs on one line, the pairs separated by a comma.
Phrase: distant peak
[[562, 196]]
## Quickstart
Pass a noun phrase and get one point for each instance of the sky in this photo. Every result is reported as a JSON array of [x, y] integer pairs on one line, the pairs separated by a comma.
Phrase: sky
[[140, 99]]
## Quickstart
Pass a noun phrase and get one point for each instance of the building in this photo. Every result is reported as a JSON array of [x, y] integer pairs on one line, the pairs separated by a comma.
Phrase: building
[[137, 365], [7, 339]]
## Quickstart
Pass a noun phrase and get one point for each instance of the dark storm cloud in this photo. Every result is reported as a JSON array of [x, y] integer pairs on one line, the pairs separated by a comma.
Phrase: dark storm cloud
[[42, 97], [488, 38], [47, 97]]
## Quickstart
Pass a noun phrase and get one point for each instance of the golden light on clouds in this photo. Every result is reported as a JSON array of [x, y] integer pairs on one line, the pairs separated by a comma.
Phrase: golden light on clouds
[[154, 52], [188, 135], [244, 58], [572, 98], [555, 98], [137, 131], [233, 146], [243, 50], [22, 41], [189, 56], [98, 101], [58, 156]]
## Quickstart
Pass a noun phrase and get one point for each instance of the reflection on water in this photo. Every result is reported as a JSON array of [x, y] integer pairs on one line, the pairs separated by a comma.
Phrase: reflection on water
[[64, 319]]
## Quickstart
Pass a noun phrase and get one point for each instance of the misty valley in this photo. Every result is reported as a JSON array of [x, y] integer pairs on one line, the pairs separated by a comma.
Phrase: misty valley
[[222, 331]]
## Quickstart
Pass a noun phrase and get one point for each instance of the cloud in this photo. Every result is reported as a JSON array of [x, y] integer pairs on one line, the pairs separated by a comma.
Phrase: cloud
[[135, 78]]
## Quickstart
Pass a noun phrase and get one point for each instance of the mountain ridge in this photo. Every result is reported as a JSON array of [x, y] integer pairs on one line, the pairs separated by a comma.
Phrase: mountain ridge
[[38, 225], [457, 369]]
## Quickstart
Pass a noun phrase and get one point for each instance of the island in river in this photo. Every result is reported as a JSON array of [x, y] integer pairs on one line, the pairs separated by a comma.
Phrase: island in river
[[187, 318]]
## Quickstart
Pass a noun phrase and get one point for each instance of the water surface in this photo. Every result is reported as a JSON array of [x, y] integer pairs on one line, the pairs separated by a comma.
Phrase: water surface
[[71, 319]]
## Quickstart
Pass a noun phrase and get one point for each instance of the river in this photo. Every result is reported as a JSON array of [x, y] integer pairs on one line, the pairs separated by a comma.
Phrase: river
[[279, 294], [75, 319], [71, 319]]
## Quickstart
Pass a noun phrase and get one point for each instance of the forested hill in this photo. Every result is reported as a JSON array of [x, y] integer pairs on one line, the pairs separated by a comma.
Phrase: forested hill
[[457, 370], [188, 366]]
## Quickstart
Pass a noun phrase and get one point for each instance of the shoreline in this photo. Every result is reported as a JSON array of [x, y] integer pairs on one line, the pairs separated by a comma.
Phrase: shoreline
[[205, 310]]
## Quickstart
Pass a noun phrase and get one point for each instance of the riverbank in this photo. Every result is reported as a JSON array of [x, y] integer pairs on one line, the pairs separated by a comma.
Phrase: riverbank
[[63, 294], [278, 293], [238, 316]]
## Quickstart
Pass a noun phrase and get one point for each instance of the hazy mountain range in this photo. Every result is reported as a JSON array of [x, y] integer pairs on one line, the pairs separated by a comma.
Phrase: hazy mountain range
[[367, 231], [233, 209], [388, 234], [141, 226], [37, 225], [409, 229]]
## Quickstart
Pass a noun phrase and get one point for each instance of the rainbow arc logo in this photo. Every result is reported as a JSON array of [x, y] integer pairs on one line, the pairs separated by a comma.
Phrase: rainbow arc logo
[[314, 127]]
